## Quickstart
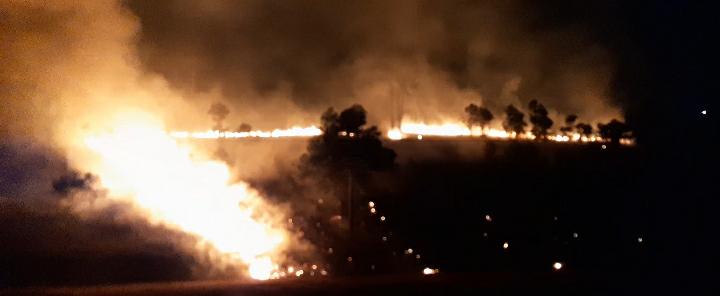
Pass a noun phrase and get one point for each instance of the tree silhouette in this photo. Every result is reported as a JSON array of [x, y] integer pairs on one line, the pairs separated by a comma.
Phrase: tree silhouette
[[334, 152], [352, 119], [569, 123], [584, 129], [244, 127], [570, 119], [341, 162], [614, 130], [477, 115], [514, 120], [539, 119], [218, 112], [73, 181]]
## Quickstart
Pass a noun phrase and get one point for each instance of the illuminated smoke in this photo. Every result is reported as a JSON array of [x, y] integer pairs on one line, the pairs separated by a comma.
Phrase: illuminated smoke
[[137, 162], [71, 79]]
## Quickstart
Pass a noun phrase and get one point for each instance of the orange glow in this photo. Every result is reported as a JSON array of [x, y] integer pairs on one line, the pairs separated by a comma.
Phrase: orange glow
[[430, 271], [415, 129], [295, 131], [137, 162]]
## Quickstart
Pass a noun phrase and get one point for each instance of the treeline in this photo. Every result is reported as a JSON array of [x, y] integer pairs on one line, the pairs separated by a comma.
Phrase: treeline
[[541, 123]]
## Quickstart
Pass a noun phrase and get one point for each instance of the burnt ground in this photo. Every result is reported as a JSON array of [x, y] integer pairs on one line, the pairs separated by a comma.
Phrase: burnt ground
[[581, 205], [467, 284]]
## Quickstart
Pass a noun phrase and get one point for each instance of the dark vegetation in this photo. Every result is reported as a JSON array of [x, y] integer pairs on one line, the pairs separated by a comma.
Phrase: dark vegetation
[[514, 121], [551, 202]]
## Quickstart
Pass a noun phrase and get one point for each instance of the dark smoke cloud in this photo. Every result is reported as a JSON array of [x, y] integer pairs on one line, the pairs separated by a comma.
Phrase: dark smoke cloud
[[434, 56]]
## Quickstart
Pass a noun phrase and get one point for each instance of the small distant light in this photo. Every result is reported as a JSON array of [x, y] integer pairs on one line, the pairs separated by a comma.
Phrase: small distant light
[[557, 265], [704, 112], [314, 266], [603, 146], [323, 272], [372, 267], [384, 238], [640, 239], [417, 256], [429, 271], [485, 234], [351, 134], [291, 269], [419, 137], [373, 210], [349, 259], [320, 201], [382, 218], [330, 250], [409, 251], [299, 273], [488, 218], [555, 218], [575, 235], [506, 245], [371, 204]]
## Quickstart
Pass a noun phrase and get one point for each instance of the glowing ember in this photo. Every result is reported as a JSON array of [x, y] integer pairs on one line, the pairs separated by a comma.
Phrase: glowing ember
[[430, 271], [395, 134], [138, 162]]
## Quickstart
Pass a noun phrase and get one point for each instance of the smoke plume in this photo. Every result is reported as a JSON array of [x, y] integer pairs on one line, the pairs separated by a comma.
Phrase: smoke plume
[[282, 62]]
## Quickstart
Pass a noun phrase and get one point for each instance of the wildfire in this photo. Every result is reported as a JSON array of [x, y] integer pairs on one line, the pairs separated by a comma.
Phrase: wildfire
[[295, 131], [408, 129], [412, 129], [138, 162]]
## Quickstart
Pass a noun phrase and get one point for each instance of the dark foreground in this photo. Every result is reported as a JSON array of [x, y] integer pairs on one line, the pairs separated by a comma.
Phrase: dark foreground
[[556, 283]]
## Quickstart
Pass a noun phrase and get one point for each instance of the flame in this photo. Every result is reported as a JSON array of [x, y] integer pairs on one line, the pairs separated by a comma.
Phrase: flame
[[416, 129], [138, 162], [294, 131]]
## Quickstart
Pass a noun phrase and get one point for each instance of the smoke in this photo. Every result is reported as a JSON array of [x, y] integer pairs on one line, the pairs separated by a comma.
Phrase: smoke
[[69, 69], [282, 62]]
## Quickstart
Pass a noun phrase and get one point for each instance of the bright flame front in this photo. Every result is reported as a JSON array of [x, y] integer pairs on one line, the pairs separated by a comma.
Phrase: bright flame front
[[138, 162], [292, 132], [414, 129]]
